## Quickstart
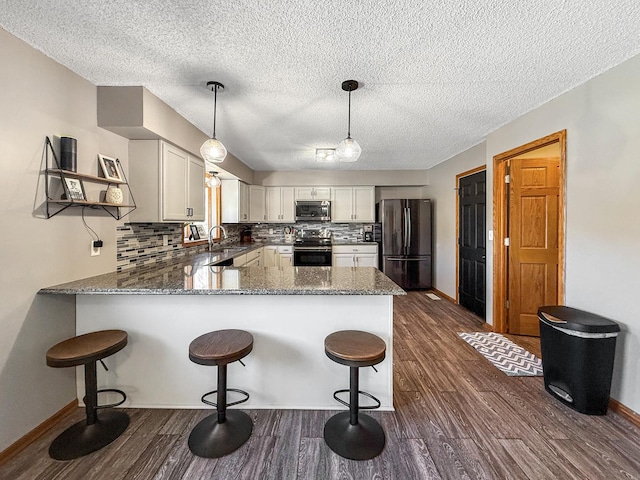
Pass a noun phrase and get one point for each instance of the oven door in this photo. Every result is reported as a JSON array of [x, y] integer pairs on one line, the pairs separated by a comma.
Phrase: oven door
[[307, 257]]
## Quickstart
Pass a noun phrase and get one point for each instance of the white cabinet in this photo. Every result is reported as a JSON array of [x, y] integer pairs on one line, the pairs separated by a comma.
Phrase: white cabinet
[[240, 260], [313, 193], [169, 183], [353, 204], [254, 258], [270, 256], [257, 211], [278, 256], [355, 256], [280, 204], [285, 256], [234, 201]]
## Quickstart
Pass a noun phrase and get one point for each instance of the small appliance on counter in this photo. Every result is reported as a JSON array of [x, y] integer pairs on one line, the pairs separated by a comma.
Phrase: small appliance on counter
[[245, 235], [368, 233]]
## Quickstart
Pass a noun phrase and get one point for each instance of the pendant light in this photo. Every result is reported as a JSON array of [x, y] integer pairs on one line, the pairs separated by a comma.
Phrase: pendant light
[[212, 150], [348, 149], [212, 180]]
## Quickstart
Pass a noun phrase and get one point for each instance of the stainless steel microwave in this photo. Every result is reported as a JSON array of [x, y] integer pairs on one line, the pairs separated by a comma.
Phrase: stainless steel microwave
[[313, 210]]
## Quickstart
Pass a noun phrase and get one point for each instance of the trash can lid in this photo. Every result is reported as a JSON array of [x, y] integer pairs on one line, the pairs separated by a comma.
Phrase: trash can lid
[[578, 320]]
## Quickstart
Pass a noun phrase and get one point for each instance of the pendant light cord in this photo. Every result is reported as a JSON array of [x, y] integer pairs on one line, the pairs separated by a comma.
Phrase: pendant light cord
[[349, 121], [215, 102]]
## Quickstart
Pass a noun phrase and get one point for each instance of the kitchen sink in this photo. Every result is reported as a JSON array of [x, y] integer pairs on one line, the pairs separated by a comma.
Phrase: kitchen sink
[[229, 250]]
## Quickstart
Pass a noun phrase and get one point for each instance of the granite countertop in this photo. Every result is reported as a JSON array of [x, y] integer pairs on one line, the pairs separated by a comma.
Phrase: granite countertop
[[194, 275]]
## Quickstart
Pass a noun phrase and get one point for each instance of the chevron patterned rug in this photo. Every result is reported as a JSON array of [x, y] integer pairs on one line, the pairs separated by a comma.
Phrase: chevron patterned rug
[[505, 355]]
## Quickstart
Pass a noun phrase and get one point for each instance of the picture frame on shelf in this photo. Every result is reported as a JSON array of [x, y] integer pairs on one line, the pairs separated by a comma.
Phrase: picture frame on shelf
[[73, 188], [194, 232], [201, 232], [110, 168]]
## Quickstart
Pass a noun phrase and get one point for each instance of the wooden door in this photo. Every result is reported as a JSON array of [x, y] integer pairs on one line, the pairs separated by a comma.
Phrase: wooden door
[[472, 191], [533, 227]]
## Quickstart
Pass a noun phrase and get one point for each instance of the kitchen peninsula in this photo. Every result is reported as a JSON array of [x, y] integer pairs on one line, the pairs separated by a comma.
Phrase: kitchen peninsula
[[288, 310]]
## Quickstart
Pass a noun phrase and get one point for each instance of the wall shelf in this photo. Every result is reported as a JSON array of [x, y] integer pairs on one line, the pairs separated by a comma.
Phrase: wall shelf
[[55, 206]]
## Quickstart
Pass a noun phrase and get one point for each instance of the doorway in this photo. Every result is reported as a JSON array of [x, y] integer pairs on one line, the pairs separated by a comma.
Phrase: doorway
[[529, 199], [471, 228]]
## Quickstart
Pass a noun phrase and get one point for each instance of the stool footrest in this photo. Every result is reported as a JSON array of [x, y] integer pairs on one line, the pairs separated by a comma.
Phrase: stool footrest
[[366, 394], [111, 405], [213, 404]]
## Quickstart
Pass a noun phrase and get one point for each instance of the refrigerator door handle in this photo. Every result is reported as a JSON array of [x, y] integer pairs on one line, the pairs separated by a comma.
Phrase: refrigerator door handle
[[398, 259], [405, 231], [408, 227]]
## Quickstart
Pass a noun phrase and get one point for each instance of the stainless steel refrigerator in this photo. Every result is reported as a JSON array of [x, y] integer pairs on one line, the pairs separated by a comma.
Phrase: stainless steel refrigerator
[[405, 242]]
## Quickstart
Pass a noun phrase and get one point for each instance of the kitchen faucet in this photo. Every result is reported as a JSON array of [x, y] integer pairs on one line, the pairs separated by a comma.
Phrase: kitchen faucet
[[222, 229]]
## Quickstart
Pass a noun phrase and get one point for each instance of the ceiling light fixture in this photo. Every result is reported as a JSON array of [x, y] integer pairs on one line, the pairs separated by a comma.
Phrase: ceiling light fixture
[[212, 150], [212, 180], [348, 149], [325, 155]]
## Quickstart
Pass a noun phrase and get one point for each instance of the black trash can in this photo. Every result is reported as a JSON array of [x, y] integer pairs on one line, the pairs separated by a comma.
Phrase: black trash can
[[578, 349]]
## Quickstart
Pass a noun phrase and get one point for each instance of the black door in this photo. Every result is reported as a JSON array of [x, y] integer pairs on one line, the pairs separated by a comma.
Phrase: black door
[[472, 247]]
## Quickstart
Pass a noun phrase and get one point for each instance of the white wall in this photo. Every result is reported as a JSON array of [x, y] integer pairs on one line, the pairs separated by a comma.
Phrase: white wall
[[441, 190], [602, 120], [39, 97]]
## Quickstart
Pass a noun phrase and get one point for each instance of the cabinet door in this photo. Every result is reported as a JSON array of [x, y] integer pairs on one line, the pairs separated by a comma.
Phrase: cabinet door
[[243, 205], [366, 260], [342, 204], [287, 204], [322, 193], [274, 204], [286, 260], [304, 193], [270, 256], [343, 260], [364, 204], [195, 191], [256, 204], [174, 183]]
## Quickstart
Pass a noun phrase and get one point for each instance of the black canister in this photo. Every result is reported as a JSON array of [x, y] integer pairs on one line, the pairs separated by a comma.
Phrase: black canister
[[68, 153]]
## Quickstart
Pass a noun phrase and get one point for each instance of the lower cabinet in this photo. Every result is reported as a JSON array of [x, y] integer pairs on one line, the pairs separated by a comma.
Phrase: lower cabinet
[[278, 256], [355, 256], [251, 259]]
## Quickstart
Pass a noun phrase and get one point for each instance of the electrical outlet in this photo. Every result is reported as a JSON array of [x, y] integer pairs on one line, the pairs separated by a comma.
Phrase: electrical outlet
[[95, 251], [165, 240]]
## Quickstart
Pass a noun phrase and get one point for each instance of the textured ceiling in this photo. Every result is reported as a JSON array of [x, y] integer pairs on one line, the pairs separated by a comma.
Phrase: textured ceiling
[[436, 76]]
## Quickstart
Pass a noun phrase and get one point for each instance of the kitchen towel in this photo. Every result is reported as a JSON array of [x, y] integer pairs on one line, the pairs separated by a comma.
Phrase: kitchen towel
[[505, 355]]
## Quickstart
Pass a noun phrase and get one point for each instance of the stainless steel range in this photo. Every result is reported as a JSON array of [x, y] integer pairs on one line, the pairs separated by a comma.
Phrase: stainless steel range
[[312, 248]]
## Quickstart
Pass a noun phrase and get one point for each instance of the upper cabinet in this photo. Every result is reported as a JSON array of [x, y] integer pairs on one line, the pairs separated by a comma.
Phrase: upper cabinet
[[280, 204], [313, 193], [234, 201], [169, 183], [257, 211], [353, 204]]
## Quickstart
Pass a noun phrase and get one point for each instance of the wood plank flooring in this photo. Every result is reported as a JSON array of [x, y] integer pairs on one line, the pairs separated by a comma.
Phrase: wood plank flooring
[[456, 417]]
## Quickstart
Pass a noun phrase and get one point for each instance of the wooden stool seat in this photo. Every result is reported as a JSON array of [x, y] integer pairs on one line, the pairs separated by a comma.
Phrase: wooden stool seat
[[355, 348], [96, 431], [220, 347], [349, 434], [86, 348], [227, 430]]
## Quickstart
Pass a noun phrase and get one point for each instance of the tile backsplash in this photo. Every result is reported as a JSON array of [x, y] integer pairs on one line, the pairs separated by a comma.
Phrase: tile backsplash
[[140, 244]]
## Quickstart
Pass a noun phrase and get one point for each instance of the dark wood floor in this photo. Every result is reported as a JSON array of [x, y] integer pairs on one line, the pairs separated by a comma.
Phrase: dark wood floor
[[456, 417]]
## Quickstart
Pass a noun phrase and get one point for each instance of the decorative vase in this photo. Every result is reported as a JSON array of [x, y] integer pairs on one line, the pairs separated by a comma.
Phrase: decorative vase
[[114, 195]]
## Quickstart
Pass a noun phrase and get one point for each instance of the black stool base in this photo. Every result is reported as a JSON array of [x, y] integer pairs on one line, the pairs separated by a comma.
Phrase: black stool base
[[81, 439], [210, 439], [356, 442]]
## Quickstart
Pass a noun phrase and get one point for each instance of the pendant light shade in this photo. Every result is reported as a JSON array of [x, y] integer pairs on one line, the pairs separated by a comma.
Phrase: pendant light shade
[[348, 149], [212, 150], [212, 180]]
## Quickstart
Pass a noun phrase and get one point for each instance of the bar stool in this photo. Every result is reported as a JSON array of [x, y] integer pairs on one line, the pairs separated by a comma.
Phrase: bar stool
[[96, 431], [350, 435], [221, 433]]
